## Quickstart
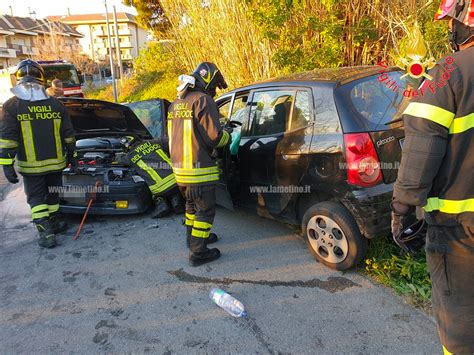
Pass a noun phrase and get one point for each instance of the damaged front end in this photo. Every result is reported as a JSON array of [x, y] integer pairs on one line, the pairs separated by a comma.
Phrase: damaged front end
[[118, 189]]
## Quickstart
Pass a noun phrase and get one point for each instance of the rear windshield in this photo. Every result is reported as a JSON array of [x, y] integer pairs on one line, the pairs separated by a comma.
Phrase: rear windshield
[[66, 73], [150, 114], [369, 104]]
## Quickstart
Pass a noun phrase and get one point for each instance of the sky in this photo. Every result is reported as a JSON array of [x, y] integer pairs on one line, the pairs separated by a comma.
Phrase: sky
[[45, 8]]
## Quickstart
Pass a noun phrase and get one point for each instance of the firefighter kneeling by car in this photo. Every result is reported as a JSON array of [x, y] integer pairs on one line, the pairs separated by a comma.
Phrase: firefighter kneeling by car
[[37, 131], [152, 163]]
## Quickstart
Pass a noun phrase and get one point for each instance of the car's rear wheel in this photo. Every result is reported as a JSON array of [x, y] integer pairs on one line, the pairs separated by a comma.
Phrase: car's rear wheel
[[332, 236]]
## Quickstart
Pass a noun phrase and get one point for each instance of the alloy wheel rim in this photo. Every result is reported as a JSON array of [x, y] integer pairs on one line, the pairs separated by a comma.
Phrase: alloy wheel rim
[[327, 239]]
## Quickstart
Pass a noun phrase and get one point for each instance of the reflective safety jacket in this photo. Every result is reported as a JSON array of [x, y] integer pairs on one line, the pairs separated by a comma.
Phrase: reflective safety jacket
[[437, 167], [194, 131], [153, 165], [36, 132]]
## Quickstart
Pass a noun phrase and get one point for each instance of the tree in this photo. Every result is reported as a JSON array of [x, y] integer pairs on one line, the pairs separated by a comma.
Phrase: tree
[[151, 15]]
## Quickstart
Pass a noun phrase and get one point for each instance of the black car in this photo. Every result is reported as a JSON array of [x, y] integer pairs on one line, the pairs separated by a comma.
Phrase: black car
[[99, 126], [318, 149]]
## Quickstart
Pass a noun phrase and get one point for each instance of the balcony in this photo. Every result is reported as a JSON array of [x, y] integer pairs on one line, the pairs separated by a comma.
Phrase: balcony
[[7, 53], [126, 44], [27, 50], [125, 32]]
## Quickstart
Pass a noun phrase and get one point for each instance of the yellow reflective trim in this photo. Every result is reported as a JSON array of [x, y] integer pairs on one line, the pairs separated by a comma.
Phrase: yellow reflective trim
[[42, 169], [190, 216], [202, 225], [430, 112], [449, 206], [170, 131], [57, 138], [8, 144], [40, 163], [28, 141], [163, 156], [39, 208], [189, 223], [462, 124], [446, 351], [187, 144], [224, 139], [162, 186], [53, 208], [39, 215], [196, 179], [6, 161], [196, 171], [153, 174], [199, 234]]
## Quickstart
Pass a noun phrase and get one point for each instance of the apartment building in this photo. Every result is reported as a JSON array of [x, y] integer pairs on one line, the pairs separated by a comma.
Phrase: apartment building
[[132, 37], [25, 37]]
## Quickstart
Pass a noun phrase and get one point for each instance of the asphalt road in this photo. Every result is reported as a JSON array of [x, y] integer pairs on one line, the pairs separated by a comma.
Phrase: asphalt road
[[125, 286]]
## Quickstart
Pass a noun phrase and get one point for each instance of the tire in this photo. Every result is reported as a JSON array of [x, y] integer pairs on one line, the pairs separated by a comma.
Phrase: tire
[[332, 236]]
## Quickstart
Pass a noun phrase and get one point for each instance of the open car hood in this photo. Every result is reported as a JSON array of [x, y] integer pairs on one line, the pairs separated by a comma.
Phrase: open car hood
[[92, 118]]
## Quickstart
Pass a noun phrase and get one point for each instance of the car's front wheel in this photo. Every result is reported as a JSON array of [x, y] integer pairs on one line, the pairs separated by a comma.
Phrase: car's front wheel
[[332, 236]]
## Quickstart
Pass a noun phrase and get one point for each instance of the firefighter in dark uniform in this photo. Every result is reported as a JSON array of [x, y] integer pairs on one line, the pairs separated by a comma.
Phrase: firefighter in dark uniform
[[37, 131], [194, 133], [152, 163], [436, 173]]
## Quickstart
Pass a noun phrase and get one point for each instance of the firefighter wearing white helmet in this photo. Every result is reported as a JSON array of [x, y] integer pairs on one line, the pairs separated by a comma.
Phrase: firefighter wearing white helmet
[[436, 174]]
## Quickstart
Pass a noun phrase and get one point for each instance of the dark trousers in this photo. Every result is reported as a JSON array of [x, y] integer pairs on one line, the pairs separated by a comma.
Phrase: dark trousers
[[450, 256], [200, 213], [42, 193]]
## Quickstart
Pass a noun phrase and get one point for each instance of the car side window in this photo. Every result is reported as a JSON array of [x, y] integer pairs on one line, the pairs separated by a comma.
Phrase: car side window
[[270, 112], [224, 112], [239, 109], [301, 116]]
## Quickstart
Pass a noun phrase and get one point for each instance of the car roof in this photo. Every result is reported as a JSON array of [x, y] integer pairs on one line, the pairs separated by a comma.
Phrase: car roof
[[332, 77]]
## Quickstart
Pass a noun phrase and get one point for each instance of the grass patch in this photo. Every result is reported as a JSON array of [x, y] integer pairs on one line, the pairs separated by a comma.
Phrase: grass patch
[[407, 275]]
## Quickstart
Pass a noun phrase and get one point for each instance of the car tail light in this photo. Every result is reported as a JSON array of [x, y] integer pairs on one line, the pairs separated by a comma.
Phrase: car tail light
[[363, 166]]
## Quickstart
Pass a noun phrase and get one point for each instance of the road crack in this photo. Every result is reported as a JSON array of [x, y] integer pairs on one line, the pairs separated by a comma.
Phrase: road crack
[[332, 284]]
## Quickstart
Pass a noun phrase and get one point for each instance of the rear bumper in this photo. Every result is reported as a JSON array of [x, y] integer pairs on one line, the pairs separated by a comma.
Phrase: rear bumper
[[136, 194], [371, 209]]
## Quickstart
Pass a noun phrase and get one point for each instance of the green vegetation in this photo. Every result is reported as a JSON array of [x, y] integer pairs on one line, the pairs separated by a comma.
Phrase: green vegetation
[[252, 40], [407, 275]]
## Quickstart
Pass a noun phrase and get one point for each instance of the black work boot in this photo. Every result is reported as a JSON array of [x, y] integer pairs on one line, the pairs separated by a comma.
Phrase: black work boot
[[177, 203], [162, 208], [199, 253], [47, 239], [57, 225], [212, 237]]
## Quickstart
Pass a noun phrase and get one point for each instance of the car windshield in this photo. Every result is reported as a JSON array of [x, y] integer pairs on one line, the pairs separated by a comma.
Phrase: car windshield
[[369, 104], [66, 73], [150, 113]]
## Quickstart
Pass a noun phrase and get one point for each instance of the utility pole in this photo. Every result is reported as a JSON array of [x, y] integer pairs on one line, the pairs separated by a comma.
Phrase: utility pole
[[112, 70], [117, 46]]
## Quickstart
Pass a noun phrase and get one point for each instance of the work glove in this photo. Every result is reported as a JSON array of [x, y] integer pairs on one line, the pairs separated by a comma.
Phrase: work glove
[[193, 193], [400, 217], [10, 174], [71, 156]]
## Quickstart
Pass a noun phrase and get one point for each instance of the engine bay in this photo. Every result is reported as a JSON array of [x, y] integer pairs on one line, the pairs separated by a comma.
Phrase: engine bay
[[100, 159]]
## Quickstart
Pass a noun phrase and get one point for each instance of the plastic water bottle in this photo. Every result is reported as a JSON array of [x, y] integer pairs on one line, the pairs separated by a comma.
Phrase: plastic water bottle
[[228, 303]]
